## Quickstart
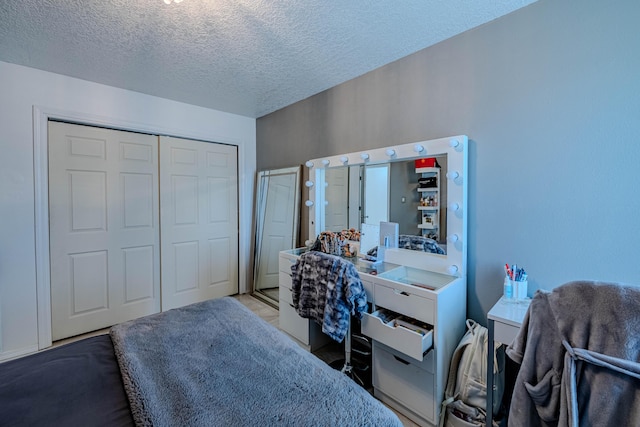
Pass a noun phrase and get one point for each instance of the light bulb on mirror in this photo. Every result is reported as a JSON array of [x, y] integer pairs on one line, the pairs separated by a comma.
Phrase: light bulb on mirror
[[344, 160], [309, 164], [453, 175], [453, 143], [391, 152], [308, 203], [452, 270], [326, 162], [309, 184], [453, 238], [453, 207], [364, 156], [418, 148]]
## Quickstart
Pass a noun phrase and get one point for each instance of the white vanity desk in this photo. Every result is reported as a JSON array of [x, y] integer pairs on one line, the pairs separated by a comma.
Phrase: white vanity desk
[[410, 370], [409, 367]]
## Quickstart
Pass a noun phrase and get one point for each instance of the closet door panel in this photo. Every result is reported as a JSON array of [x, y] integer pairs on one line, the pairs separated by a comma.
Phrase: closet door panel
[[138, 273], [185, 260], [220, 261], [89, 282], [137, 200], [199, 221], [103, 222]]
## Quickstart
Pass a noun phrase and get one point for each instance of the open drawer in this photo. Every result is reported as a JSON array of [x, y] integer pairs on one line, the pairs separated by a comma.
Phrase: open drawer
[[411, 338]]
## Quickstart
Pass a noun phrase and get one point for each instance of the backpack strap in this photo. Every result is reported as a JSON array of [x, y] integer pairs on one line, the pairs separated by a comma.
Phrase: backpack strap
[[453, 370], [443, 410], [455, 361]]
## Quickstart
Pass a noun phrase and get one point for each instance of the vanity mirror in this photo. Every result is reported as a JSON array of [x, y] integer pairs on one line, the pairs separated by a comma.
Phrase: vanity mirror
[[421, 186], [410, 193]]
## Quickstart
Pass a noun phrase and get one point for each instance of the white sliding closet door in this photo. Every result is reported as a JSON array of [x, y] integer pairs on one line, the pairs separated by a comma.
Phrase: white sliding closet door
[[199, 221], [103, 221]]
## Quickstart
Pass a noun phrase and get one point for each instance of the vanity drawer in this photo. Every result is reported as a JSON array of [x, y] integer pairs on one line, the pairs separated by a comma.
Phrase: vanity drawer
[[284, 264], [380, 326], [404, 380], [368, 288], [292, 323], [285, 294], [401, 299], [284, 279]]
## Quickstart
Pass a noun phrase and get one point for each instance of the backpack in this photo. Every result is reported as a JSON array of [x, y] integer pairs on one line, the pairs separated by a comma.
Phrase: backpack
[[465, 397]]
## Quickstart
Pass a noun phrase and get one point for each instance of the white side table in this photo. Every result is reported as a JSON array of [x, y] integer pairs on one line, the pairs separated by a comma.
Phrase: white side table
[[503, 322]]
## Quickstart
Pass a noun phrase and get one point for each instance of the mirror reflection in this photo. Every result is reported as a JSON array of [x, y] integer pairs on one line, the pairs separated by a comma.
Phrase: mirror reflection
[[412, 193], [277, 210], [418, 199]]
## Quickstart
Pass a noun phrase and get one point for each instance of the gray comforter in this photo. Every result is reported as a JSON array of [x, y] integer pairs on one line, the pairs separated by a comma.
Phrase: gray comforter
[[216, 363]]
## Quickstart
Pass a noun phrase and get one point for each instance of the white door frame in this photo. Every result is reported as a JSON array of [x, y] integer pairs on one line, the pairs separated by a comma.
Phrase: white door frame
[[41, 116]]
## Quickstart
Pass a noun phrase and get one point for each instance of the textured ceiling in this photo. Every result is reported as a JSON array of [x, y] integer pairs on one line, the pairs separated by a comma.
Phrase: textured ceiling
[[249, 57]]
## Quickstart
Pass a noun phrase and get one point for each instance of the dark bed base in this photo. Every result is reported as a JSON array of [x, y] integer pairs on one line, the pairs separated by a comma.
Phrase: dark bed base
[[77, 384]]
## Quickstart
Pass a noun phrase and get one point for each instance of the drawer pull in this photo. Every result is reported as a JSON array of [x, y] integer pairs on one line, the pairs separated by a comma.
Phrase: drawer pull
[[400, 360], [398, 292]]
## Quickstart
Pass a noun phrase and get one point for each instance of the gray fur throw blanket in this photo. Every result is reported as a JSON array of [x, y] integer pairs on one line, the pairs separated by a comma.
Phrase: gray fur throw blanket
[[216, 363]]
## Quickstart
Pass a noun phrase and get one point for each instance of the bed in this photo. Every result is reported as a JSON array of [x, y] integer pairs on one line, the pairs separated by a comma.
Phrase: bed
[[210, 363]]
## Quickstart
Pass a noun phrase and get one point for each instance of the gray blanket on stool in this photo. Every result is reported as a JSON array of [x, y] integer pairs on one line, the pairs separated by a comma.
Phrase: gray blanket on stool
[[215, 363]]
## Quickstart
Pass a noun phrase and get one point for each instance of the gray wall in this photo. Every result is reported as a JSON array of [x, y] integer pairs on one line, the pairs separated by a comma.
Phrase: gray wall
[[550, 99]]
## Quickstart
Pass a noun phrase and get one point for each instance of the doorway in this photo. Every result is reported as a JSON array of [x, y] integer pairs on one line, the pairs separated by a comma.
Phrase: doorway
[[376, 194]]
